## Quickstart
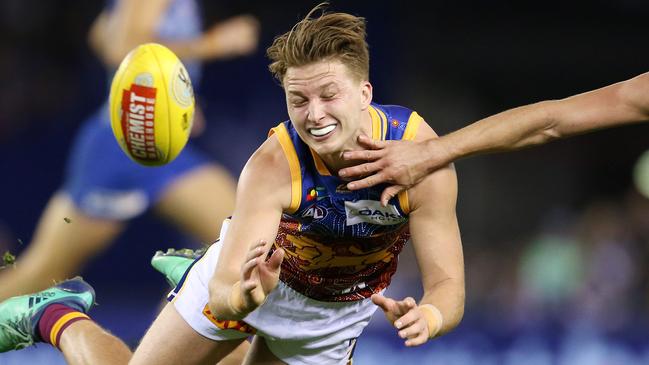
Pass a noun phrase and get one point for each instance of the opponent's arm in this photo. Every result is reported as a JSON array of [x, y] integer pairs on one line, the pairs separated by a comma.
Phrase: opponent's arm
[[618, 104], [438, 248], [403, 164], [133, 22], [243, 277]]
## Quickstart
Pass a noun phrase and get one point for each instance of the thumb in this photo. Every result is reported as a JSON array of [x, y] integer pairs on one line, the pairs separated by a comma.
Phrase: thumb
[[368, 143], [390, 192], [275, 260], [382, 302]]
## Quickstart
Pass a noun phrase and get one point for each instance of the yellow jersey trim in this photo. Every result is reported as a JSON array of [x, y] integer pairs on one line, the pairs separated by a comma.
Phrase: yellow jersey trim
[[414, 121], [293, 163], [413, 126], [384, 124], [319, 164], [403, 201], [376, 123]]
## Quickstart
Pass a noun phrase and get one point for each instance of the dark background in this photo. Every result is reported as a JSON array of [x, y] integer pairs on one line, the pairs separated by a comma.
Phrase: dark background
[[453, 61]]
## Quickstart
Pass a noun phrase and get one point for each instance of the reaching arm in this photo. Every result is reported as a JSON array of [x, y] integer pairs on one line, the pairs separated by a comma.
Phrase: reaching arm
[[438, 247], [133, 22], [243, 277], [618, 104], [404, 164]]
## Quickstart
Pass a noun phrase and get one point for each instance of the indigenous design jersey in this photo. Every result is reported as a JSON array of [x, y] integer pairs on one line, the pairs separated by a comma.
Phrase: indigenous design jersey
[[341, 245]]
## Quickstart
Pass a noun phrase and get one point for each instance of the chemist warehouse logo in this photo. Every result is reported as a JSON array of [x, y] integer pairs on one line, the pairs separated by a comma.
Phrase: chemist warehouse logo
[[371, 211], [138, 107]]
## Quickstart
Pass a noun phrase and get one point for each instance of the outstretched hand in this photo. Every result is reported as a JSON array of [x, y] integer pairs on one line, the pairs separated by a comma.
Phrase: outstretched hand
[[259, 276], [402, 164], [236, 36], [406, 316]]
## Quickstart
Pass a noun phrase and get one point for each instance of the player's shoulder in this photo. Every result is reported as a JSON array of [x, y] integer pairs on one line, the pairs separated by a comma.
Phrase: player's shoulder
[[267, 170], [415, 126], [269, 156]]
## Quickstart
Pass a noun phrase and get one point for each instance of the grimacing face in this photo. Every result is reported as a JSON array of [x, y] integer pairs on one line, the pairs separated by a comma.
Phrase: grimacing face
[[327, 105]]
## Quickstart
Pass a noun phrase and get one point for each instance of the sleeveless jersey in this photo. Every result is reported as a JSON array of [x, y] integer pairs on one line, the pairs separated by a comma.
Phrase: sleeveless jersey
[[341, 245]]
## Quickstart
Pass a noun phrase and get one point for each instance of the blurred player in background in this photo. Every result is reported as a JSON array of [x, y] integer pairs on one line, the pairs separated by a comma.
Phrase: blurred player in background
[[304, 263], [402, 165], [103, 189]]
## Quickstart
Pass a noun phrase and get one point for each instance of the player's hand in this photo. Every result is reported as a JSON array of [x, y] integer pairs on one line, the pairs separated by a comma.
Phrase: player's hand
[[402, 164], [406, 316], [236, 36], [259, 276]]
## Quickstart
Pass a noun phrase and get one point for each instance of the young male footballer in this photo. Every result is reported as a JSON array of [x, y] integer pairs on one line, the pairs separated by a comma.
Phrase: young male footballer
[[402, 165], [304, 262]]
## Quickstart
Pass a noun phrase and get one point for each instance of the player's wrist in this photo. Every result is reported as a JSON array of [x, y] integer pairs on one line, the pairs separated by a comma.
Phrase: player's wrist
[[236, 303], [433, 317], [439, 153]]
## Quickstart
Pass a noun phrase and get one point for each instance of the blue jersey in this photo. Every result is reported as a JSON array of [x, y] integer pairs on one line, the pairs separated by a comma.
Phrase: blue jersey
[[101, 180], [341, 245]]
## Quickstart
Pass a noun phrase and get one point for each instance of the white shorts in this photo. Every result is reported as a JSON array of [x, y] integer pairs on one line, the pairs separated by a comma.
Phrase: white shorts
[[297, 329]]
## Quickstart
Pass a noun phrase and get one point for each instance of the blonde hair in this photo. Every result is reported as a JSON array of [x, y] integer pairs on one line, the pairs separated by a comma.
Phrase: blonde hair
[[336, 36]]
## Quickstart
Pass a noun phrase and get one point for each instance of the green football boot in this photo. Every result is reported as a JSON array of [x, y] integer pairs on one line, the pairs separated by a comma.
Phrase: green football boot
[[19, 315], [174, 263]]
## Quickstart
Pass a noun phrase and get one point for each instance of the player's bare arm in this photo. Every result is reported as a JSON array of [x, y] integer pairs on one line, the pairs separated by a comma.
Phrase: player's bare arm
[[243, 276], [404, 164], [133, 22], [438, 248]]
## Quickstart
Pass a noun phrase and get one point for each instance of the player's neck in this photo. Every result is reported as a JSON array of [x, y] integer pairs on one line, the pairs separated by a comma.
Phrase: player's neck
[[334, 161]]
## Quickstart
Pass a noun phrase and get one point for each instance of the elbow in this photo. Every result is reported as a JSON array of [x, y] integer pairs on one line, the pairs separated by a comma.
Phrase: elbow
[[457, 315]]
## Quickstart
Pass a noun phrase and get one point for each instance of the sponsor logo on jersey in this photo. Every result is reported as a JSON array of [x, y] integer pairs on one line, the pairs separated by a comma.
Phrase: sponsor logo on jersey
[[138, 114], [316, 193], [397, 124], [314, 212], [371, 211]]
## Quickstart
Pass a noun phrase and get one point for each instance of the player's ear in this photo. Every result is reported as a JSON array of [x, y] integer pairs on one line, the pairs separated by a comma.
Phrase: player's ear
[[366, 94]]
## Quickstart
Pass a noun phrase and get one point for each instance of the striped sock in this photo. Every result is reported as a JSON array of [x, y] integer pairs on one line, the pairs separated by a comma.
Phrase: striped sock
[[56, 318]]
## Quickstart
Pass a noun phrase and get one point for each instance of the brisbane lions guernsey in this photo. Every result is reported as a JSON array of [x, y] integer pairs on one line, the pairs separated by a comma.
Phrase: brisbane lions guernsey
[[341, 245]]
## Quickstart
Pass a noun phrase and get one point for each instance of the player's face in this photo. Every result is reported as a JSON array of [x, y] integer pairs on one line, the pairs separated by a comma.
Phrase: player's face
[[327, 105]]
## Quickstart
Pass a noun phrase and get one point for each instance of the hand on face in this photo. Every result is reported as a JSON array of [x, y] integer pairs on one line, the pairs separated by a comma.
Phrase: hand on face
[[402, 164], [407, 317]]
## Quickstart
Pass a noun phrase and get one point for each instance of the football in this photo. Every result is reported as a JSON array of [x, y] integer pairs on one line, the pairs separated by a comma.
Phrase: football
[[151, 105]]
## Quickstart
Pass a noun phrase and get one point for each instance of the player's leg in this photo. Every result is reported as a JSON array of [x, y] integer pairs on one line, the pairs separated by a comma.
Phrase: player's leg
[[64, 240], [173, 264], [86, 343], [199, 201], [57, 316], [170, 340]]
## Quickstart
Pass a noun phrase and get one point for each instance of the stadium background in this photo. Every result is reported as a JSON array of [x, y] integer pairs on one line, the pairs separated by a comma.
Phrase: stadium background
[[556, 238]]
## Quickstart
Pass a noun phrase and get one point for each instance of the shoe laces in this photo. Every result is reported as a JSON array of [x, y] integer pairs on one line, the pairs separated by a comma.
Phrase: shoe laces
[[20, 331]]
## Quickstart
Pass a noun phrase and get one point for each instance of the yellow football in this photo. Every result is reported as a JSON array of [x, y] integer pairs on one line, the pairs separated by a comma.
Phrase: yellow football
[[151, 105]]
